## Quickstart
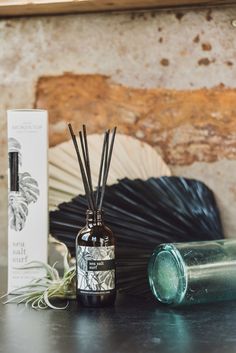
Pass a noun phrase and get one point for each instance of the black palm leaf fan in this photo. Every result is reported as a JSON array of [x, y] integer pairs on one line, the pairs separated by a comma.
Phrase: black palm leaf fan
[[143, 214]]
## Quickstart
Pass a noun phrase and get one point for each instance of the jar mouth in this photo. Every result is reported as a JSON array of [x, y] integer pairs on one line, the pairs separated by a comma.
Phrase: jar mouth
[[167, 275]]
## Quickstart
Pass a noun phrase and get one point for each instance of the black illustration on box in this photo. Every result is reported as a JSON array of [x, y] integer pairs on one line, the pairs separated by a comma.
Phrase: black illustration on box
[[18, 202], [102, 277]]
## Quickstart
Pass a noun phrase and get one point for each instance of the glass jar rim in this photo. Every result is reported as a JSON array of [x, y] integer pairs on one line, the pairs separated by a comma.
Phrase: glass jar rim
[[178, 266]]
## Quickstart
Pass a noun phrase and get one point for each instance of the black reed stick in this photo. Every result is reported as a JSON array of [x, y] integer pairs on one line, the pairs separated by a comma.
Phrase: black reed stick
[[87, 154], [101, 166], [85, 169], [108, 156], [105, 163], [110, 152], [87, 165], [85, 182]]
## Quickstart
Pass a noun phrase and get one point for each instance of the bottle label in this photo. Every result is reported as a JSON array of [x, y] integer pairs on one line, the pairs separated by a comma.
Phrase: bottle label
[[95, 269]]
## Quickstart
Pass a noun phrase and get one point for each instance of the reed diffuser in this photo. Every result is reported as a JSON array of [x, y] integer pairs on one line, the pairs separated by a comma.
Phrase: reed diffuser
[[95, 243]]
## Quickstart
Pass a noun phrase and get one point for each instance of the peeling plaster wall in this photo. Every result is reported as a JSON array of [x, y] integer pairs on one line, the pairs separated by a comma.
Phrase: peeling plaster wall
[[152, 50], [184, 125]]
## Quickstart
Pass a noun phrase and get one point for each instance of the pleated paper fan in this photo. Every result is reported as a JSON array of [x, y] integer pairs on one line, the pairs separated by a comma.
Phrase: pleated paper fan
[[131, 158], [143, 214]]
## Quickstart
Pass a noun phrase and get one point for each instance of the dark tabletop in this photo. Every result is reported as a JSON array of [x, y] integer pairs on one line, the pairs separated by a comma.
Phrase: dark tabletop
[[134, 325]]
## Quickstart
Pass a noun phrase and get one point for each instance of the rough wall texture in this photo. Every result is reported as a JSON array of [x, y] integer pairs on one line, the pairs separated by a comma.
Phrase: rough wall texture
[[185, 126], [161, 60]]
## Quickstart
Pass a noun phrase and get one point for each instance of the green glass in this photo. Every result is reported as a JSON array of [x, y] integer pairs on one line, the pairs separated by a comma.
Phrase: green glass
[[196, 272]]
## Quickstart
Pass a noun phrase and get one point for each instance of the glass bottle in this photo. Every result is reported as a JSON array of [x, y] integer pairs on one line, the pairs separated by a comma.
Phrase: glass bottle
[[95, 263], [196, 272]]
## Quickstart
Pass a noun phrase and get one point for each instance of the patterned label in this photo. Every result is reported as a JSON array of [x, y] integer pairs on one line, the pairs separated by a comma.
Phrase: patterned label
[[95, 269]]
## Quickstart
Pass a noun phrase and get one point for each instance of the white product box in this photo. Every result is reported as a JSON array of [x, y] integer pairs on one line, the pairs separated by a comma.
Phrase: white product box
[[27, 194]]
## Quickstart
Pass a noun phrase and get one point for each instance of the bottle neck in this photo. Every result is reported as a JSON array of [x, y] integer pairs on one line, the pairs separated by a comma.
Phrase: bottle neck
[[94, 218]]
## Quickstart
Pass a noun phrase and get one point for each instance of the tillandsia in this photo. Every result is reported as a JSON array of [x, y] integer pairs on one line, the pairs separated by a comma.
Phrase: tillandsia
[[41, 293]]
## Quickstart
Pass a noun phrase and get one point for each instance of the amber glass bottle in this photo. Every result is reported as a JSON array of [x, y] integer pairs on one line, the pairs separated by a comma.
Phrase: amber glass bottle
[[95, 263]]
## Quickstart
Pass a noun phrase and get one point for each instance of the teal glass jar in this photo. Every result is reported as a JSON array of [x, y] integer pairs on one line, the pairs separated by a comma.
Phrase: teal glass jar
[[191, 273]]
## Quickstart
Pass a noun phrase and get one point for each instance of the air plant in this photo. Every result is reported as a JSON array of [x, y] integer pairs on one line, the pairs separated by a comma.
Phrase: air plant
[[42, 292]]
